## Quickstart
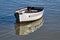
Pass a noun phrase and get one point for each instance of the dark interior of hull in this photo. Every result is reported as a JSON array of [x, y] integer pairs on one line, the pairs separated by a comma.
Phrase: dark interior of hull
[[35, 8]]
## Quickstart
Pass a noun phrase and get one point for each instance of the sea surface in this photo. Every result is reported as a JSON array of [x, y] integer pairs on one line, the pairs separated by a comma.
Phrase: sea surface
[[46, 28]]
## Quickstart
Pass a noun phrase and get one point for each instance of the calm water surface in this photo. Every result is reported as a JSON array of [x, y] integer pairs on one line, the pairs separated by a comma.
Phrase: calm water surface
[[49, 30]]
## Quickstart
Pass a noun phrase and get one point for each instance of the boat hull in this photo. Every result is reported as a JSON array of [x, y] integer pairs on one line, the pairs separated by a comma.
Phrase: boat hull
[[30, 16], [22, 16]]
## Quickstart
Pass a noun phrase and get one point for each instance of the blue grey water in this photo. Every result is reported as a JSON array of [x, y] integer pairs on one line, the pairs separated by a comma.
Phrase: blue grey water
[[50, 29]]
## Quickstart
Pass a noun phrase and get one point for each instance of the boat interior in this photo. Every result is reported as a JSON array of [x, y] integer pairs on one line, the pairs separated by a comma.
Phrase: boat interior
[[33, 9]]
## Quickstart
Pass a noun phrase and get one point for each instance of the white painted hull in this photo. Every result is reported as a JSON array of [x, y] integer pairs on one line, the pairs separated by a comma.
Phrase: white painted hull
[[30, 16]]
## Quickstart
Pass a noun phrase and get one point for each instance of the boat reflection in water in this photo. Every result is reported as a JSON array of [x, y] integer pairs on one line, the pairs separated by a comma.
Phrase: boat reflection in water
[[28, 27]]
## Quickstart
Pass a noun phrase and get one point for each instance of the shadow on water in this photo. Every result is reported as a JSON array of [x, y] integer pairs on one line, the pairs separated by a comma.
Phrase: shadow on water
[[28, 27]]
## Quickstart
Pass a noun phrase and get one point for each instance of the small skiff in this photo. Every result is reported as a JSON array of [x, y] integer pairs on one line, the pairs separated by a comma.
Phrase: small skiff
[[29, 14]]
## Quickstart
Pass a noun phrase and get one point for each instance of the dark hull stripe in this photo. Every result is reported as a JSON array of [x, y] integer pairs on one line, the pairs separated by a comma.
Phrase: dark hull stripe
[[17, 17]]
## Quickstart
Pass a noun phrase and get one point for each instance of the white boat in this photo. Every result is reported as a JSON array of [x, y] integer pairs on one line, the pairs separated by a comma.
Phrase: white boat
[[29, 14]]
